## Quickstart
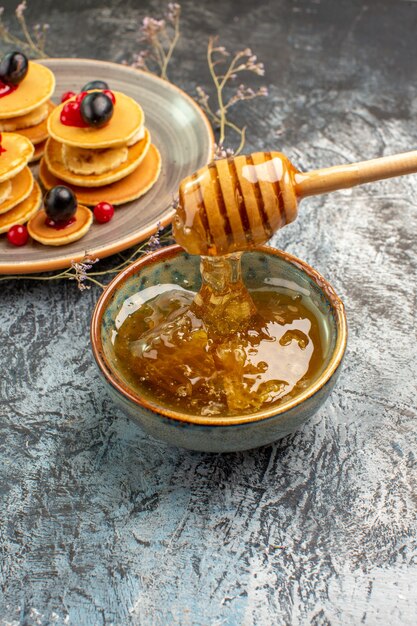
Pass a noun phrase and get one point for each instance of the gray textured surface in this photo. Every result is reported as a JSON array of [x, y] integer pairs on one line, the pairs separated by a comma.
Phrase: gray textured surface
[[102, 525]]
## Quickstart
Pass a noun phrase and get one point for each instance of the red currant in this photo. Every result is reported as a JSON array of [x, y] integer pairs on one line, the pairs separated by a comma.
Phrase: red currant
[[110, 94], [6, 89], [103, 212], [18, 235], [81, 96], [71, 116], [67, 95], [59, 225]]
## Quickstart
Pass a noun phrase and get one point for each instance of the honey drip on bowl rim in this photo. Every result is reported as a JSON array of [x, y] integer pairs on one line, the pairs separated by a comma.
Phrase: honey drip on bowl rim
[[223, 351]]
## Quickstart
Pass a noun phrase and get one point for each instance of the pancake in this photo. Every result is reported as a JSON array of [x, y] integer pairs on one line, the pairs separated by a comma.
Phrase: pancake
[[92, 162], [53, 158], [48, 236], [39, 132], [125, 190], [39, 152], [21, 187], [33, 118], [35, 89], [137, 136], [127, 120], [19, 151], [5, 191], [22, 211]]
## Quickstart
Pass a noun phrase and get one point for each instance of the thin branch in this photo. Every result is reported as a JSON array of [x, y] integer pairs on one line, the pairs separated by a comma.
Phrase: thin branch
[[243, 60], [28, 43]]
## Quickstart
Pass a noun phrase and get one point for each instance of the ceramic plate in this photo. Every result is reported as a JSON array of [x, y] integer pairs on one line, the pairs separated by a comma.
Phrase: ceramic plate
[[183, 136]]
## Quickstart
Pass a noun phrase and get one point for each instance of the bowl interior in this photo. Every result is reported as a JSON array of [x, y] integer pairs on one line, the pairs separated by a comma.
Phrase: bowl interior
[[261, 267]]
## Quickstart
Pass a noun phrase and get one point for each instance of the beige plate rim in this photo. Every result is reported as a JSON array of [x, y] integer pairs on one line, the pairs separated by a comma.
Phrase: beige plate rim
[[51, 264]]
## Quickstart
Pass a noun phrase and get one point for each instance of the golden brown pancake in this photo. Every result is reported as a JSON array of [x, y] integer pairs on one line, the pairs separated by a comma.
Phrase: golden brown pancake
[[22, 185], [22, 211], [18, 152], [127, 189], [92, 162], [35, 89], [39, 152], [128, 118], [54, 161], [137, 136], [38, 133], [5, 191], [33, 118], [48, 236], [25, 121]]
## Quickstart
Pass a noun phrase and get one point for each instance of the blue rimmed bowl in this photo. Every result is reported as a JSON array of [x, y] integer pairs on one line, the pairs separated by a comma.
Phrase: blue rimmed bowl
[[175, 267]]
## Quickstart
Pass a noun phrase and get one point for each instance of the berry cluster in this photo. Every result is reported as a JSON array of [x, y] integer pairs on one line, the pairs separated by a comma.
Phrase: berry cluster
[[92, 107]]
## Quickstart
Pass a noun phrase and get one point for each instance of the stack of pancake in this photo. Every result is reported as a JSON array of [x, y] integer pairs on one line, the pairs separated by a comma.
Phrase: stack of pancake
[[25, 110], [20, 195], [116, 163]]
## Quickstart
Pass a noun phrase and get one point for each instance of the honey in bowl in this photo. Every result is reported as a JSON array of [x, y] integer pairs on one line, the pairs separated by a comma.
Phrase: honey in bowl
[[224, 350], [230, 350]]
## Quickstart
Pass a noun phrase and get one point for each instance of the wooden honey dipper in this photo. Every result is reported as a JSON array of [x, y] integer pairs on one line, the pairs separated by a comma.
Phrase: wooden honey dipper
[[240, 202]]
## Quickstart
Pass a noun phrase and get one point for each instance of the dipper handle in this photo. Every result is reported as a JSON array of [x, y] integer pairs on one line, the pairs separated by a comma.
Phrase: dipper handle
[[344, 176]]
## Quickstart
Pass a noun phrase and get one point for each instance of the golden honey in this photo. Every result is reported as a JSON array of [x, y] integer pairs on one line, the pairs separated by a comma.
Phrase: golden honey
[[228, 351], [224, 350]]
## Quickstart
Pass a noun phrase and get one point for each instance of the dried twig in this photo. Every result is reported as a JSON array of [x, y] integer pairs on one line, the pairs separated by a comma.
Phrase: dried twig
[[242, 61], [33, 43], [161, 37], [80, 270]]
